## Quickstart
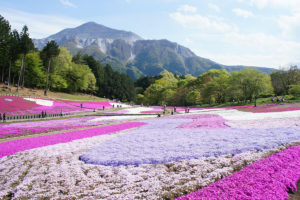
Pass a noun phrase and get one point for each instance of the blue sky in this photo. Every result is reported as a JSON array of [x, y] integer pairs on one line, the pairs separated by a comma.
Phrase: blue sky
[[233, 32]]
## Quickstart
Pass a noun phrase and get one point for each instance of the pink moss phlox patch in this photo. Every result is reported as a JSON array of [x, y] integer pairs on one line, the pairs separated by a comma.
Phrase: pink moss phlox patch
[[14, 146], [203, 121], [20, 106], [89, 104], [270, 108], [120, 111], [268, 178], [273, 108]]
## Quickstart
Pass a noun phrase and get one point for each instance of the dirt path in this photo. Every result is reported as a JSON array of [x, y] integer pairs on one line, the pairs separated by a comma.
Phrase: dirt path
[[295, 196]]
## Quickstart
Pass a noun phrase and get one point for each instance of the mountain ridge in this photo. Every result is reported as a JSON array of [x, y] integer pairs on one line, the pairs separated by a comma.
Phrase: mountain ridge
[[129, 53]]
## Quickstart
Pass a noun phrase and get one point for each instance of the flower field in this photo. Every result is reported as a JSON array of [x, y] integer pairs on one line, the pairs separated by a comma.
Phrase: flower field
[[25, 128], [221, 153], [26, 106], [272, 108], [14, 146], [15, 105], [89, 104]]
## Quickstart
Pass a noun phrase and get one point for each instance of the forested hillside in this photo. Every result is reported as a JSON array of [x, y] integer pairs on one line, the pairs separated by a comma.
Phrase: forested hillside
[[22, 65]]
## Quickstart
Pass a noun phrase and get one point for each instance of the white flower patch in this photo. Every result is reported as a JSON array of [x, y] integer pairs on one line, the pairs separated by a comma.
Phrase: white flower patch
[[41, 102], [137, 110], [121, 118], [120, 105], [6, 99], [232, 114]]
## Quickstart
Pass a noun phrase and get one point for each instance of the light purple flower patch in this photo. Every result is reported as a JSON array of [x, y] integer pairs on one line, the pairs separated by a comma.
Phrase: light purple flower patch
[[160, 142]]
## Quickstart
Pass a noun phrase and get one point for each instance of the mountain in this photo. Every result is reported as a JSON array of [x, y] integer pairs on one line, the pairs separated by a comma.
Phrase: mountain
[[129, 53]]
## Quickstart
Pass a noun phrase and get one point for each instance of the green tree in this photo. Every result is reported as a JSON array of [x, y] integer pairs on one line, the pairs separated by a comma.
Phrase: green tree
[[193, 97], [295, 90], [215, 88], [81, 78], [96, 68], [61, 65], [162, 91], [34, 70], [252, 83], [283, 79], [140, 99], [49, 51], [4, 43], [26, 45], [13, 51]]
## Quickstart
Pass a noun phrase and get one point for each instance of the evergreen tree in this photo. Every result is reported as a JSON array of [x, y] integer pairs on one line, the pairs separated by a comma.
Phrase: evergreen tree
[[4, 42], [26, 45], [49, 51], [13, 51]]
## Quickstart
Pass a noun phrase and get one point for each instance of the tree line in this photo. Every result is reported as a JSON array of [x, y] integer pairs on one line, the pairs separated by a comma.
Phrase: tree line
[[217, 87], [22, 65]]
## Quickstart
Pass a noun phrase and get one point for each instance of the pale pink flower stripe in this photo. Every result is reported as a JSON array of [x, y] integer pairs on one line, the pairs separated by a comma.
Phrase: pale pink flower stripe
[[120, 111], [271, 108], [152, 111], [89, 104], [12, 147], [264, 123], [203, 121], [24, 128], [268, 178]]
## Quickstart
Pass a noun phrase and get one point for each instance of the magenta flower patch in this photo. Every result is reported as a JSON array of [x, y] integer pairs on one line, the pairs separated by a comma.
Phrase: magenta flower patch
[[268, 178], [11, 147], [20, 106], [89, 104]]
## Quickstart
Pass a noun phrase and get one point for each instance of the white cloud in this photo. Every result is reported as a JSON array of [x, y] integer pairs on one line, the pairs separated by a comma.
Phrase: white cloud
[[187, 8], [290, 25], [257, 49], [39, 25], [197, 21], [242, 13], [188, 40], [214, 7], [292, 4], [68, 3]]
